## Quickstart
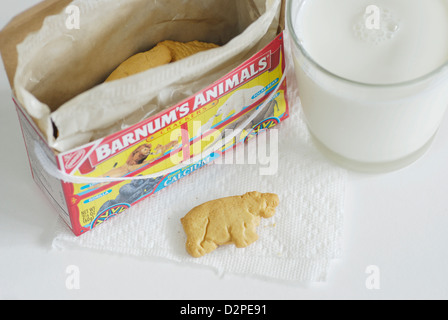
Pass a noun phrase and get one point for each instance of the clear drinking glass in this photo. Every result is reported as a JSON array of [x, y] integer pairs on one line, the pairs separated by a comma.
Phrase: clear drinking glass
[[365, 127]]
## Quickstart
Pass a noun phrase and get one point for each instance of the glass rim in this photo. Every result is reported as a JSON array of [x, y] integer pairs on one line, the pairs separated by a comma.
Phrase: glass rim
[[298, 43]]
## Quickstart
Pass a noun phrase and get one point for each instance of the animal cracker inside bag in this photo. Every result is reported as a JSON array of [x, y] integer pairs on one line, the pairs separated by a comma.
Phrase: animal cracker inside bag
[[162, 54]]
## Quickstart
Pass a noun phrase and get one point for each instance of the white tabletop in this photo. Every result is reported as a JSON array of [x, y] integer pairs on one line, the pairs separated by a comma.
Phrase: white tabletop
[[396, 222]]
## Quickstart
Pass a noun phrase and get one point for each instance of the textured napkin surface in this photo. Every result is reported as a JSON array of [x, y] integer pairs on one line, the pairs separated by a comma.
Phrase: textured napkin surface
[[298, 244]]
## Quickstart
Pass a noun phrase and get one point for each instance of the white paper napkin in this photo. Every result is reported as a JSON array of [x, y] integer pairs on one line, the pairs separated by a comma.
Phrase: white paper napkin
[[298, 244]]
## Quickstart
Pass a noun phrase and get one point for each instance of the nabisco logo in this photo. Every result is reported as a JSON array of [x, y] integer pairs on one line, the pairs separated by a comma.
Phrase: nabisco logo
[[73, 159]]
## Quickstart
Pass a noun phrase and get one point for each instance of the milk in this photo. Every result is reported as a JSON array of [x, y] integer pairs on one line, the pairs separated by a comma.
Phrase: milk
[[412, 39], [371, 75]]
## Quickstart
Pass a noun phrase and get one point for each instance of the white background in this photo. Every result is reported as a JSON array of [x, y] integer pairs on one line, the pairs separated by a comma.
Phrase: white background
[[397, 222]]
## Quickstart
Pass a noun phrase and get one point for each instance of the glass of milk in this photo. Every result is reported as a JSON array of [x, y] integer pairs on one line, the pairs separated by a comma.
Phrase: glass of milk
[[372, 76]]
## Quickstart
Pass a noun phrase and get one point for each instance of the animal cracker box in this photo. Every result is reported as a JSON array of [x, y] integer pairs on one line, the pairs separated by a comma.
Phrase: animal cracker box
[[94, 181]]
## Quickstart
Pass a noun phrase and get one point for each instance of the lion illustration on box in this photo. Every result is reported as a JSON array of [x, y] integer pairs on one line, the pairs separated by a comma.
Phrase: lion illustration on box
[[137, 159], [140, 157], [226, 221]]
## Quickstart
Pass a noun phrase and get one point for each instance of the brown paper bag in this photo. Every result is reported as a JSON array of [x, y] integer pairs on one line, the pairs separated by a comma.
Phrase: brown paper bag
[[22, 25]]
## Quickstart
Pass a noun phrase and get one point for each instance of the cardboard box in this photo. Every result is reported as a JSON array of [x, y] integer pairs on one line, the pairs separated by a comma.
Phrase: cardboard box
[[182, 132]]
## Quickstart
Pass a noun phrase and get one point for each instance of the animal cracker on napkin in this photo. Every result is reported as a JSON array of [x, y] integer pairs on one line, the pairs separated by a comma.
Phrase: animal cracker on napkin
[[164, 53], [226, 221]]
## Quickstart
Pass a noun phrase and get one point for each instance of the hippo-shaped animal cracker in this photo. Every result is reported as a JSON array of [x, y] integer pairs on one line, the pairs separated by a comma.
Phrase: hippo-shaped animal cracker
[[226, 221]]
